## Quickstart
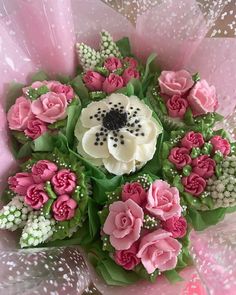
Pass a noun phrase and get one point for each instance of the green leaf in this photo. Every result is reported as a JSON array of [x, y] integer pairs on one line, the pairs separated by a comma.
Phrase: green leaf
[[200, 220], [173, 276], [97, 95], [39, 76], [58, 124], [49, 190], [177, 183], [124, 46], [149, 62], [20, 136], [64, 79], [81, 90], [14, 91], [94, 224], [73, 113], [196, 77], [101, 186], [102, 70], [47, 208], [188, 117], [24, 151], [44, 143], [114, 274], [103, 215], [130, 89]]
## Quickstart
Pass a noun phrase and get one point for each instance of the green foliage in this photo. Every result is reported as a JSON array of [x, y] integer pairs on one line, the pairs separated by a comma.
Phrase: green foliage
[[124, 47]]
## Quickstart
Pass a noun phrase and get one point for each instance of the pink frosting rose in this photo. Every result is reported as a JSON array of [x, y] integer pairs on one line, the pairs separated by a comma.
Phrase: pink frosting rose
[[180, 157], [130, 73], [132, 63], [112, 83], [35, 128], [220, 144], [194, 184], [123, 224], [176, 225], [177, 106], [202, 98], [112, 64], [36, 196], [127, 258], [93, 80], [64, 208], [65, 89], [43, 170], [158, 250], [135, 192], [163, 201], [64, 182], [204, 166], [20, 182], [192, 140], [50, 107], [172, 83], [19, 114]]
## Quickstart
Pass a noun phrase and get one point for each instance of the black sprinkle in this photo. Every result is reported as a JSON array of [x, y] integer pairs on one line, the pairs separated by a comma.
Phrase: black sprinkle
[[115, 145], [138, 109], [139, 126], [135, 130], [97, 134], [122, 136], [142, 134], [136, 134], [99, 109], [91, 117], [101, 133], [96, 116], [96, 143], [122, 142], [110, 102], [119, 103], [104, 139], [115, 139], [111, 137], [131, 108], [101, 143]]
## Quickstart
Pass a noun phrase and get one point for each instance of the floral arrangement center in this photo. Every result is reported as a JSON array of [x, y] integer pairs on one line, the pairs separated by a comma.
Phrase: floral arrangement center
[[118, 132]]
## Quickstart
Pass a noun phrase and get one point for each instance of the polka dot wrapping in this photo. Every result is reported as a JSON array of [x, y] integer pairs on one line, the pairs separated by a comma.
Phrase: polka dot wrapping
[[183, 36]]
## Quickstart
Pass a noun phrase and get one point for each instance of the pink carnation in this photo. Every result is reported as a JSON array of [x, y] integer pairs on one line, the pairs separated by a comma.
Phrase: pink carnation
[[163, 201], [64, 182], [176, 225], [176, 106], [158, 250], [192, 140], [67, 90], [36, 196], [204, 166], [20, 182], [112, 83], [43, 171], [220, 144], [132, 63], [180, 157], [130, 73], [112, 64], [127, 258], [135, 192], [64, 208], [123, 224], [93, 80], [194, 184], [35, 128]]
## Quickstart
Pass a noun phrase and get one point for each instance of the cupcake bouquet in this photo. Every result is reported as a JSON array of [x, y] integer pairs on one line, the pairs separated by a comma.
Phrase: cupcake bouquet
[[123, 159]]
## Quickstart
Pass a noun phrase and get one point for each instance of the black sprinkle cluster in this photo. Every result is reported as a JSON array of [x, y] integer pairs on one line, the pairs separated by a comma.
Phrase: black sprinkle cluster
[[115, 119]]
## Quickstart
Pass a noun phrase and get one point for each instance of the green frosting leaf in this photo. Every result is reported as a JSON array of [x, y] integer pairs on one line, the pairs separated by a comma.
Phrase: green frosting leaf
[[124, 47], [39, 76], [188, 117], [147, 76], [43, 143], [14, 91], [172, 276], [81, 90], [97, 95], [47, 208], [73, 113], [20, 136], [196, 77], [24, 151], [94, 224]]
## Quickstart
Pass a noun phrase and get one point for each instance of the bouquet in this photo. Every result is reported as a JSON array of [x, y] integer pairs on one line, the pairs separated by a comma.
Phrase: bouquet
[[123, 158]]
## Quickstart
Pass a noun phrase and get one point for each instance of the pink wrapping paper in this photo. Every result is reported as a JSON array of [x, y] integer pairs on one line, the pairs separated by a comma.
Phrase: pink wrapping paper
[[40, 34]]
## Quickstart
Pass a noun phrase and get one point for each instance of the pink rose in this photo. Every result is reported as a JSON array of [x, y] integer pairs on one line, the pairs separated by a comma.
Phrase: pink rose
[[192, 140], [202, 98], [20, 182], [180, 157], [127, 258], [176, 225], [50, 107], [135, 192], [129, 74], [123, 224], [194, 184], [19, 114], [36, 196], [93, 80], [64, 182], [158, 250], [64, 208], [177, 106], [204, 166], [132, 63], [43, 171], [172, 83], [112, 83], [220, 144], [163, 201], [112, 64], [65, 89], [35, 128]]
